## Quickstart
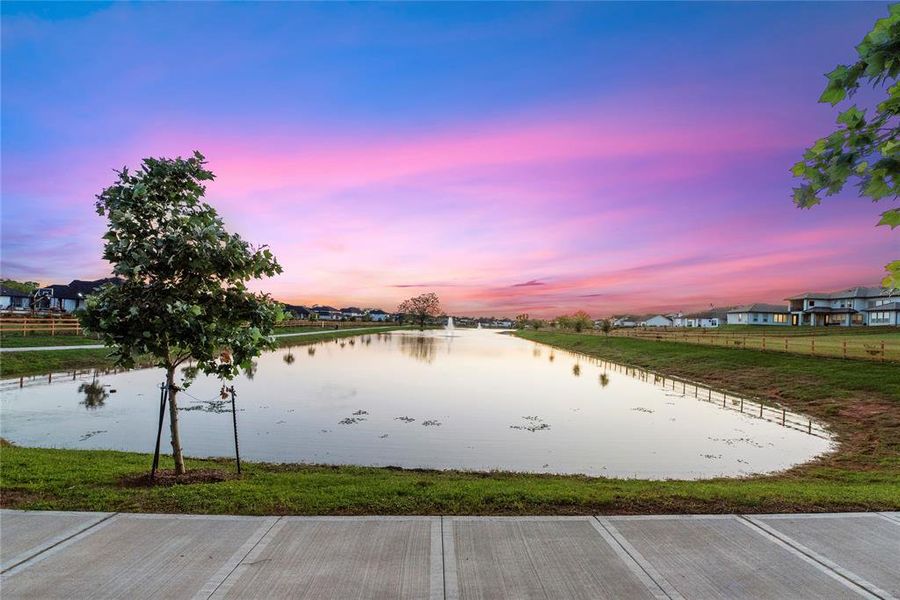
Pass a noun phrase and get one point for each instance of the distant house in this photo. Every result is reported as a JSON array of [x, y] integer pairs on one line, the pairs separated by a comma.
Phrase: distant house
[[676, 318], [297, 311], [327, 313], [376, 314], [12, 299], [351, 313], [71, 297], [626, 321], [759, 314], [707, 318], [657, 321], [859, 305]]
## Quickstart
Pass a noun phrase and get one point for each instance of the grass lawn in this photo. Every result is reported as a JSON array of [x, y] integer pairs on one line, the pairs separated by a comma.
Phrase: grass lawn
[[873, 343], [860, 401], [25, 341]]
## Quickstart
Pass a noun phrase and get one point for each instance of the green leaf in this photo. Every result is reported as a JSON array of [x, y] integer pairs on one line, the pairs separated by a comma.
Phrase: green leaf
[[891, 218]]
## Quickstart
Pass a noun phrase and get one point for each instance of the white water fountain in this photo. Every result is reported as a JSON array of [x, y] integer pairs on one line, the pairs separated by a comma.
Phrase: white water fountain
[[449, 327], [479, 325]]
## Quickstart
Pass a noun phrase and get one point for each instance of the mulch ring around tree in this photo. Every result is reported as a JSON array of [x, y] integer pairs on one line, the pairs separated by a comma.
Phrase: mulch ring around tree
[[167, 477]]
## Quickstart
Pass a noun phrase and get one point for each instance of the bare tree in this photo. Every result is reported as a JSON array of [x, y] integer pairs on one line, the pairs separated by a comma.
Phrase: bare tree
[[421, 307]]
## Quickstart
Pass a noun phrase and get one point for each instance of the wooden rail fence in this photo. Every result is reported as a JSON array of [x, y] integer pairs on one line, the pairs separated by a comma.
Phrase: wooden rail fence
[[67, 325], [846, 344]]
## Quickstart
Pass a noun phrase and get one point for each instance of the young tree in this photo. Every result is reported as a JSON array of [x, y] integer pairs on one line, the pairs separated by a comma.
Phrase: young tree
[[420, 308], [183, 295], [606, 326], [864, 147], [522, 321]]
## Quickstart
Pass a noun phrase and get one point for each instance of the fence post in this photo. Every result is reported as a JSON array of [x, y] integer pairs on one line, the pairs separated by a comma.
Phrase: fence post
[[882, 350], [810, 427], [783, 416], [742, 404], [52, 327], [237, 452], [812, 345], [785, 344], [845, 348], [163, 392], [760, 410], [764, 343]]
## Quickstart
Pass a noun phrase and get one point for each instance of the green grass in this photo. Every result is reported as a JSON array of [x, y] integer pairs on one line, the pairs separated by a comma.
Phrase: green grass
[[49, 479], [27, 341], [859, 400]]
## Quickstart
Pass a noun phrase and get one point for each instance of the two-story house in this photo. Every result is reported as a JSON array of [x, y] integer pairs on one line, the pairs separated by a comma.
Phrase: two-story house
[[860, 305]]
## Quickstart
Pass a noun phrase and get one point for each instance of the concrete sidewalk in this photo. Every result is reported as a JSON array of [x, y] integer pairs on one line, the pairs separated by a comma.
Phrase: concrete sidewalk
[[277, 335], [119, 555]]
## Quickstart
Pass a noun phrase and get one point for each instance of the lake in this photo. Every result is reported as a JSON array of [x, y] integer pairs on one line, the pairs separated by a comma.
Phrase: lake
[[479, 400]]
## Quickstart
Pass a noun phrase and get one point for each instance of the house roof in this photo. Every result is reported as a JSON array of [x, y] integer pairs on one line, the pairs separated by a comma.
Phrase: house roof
[[321, 309], [377, 311], [859, 291], [13, 293], [713, 313], [760, 307], [351, 309], [79, 288]]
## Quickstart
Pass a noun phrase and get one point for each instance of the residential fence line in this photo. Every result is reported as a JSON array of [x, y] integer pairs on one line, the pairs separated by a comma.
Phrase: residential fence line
[[68, 325], [830, 345]]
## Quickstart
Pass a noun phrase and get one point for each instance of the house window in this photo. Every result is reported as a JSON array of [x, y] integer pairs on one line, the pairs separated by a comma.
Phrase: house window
[[765, 318], [755, 318], [779, 318], [812, 302]]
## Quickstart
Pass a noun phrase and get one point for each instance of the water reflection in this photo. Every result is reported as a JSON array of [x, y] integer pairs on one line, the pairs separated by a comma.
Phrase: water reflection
[[420, 348], [494, 402], [95, 394]]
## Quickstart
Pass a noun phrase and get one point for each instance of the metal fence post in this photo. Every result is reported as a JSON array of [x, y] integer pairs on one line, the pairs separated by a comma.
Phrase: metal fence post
[[163, 394], [237, 451]]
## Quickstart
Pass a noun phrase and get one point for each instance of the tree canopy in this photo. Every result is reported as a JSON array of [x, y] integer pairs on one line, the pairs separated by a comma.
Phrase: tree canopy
[[183, 294], [421, 307], [864, 147]]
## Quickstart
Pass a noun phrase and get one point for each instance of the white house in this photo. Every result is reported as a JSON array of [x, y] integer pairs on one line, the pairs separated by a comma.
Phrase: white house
[[759, 314], [860, 305], [376, 314], [351, 312], [657, 321], [625, 321], [327, 313], [707, 318], [11, 299]]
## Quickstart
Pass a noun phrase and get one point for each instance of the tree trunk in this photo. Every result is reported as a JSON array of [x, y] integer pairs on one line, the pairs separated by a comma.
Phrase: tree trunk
[[173, 422]]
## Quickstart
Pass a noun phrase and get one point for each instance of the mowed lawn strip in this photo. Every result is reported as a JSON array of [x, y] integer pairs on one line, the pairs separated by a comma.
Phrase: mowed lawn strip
[[858, 399]]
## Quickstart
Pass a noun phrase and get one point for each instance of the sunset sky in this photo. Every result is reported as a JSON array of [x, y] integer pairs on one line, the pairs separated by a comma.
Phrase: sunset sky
[[537, 158]]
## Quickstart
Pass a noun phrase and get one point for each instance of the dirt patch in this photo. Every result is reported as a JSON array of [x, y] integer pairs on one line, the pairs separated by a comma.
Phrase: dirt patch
[[16, 498], [168, 478]]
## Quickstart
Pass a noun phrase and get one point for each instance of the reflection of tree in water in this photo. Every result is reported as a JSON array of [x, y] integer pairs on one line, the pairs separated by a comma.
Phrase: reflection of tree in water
[[576, 370], [604, 380], [311, 350], [552, 357], [289, 357], [250, 371], [95, 394], [420, 348]]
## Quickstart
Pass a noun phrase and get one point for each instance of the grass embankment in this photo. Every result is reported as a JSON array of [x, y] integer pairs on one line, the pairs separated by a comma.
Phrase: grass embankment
[[27, 341], [860, 400], [41, 362]]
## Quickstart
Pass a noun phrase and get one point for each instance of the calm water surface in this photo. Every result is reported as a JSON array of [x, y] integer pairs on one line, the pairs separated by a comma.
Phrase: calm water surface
[[480, 400]]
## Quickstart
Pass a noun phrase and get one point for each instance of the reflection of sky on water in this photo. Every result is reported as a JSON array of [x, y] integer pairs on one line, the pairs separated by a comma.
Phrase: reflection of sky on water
[[480, 400]]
